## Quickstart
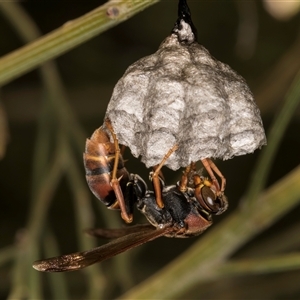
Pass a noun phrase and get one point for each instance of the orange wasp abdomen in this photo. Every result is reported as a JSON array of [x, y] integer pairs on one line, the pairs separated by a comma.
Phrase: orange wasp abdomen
[[99, 158]]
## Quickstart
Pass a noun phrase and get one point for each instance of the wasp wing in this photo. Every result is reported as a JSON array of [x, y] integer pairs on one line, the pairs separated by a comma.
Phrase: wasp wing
[[80, 260], [118, 232]]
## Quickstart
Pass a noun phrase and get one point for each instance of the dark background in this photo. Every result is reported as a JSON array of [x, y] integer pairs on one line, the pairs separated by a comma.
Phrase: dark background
[[89, 72]]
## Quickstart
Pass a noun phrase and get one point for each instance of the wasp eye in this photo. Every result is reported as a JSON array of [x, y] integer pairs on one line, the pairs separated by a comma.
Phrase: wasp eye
[[209, 199], [210, 202]]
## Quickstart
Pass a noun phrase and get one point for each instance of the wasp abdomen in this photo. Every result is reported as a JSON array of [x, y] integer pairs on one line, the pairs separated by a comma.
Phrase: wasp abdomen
[[99, 158]]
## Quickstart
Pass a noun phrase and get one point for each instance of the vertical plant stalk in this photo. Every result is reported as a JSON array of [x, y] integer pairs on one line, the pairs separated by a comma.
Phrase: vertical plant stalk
[[7, 254], [68, 36], [27, 244], [58, 283], [277, 130]]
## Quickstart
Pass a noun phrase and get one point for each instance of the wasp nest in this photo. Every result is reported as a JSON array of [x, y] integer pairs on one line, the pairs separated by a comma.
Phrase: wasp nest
[[182, 95]]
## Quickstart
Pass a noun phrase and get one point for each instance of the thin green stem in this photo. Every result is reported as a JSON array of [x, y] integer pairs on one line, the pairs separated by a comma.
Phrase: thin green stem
[[27, 246], [121, 264], [58, 282], [263, 265], [19, 19], [264, 163], [68, 36], [7, 254]]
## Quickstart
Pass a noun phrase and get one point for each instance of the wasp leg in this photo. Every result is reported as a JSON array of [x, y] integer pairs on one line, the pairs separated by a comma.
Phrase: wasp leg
[[156, 180], [218, 172], [114, 180], [211, 168], [185, 177]]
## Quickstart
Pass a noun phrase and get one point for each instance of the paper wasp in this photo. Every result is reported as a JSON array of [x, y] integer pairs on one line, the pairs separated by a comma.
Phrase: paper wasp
[[111, 183], [187, 208]]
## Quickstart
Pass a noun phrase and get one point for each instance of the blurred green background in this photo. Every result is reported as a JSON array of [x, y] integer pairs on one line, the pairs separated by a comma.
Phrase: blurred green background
[[261, 45]]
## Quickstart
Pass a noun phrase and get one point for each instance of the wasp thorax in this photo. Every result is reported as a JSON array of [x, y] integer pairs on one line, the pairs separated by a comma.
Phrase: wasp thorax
[[183, 95]]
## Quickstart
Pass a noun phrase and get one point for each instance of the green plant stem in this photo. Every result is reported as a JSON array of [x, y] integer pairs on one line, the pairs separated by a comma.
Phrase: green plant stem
[[58, 282], [7, 254], [68, 36], [263, 265], [198, 262], [19, 19], [267, 156], [27, 245], [271, 246]]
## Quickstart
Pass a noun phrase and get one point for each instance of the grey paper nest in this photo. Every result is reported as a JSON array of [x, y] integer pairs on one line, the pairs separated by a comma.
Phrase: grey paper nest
[[182, 95]]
